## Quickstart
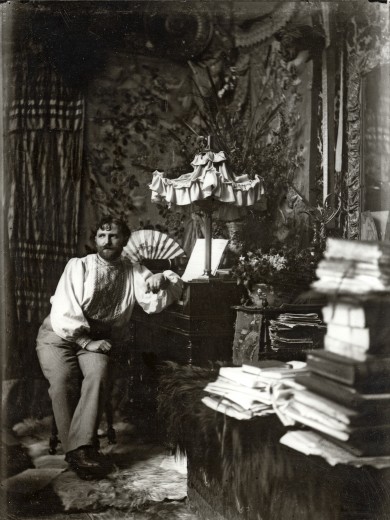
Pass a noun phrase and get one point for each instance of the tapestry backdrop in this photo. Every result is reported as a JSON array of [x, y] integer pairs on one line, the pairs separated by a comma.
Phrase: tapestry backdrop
[[140, 110]]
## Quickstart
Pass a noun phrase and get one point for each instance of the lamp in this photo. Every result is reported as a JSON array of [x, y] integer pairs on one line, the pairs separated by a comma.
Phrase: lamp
[[208, 185]]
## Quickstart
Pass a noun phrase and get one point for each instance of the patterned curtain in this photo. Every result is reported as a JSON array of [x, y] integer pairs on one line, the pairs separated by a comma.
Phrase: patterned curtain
[[45, 153], [45, 144]]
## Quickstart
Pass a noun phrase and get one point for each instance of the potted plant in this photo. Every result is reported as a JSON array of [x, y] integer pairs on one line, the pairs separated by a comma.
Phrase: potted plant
[[276, 276]]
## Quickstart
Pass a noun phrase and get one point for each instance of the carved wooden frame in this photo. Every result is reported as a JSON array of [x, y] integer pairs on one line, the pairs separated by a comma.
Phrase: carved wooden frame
[[359, 64]]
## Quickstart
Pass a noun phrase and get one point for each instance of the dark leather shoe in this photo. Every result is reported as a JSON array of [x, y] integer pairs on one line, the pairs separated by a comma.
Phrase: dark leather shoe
[[81, 461], [104, 462]]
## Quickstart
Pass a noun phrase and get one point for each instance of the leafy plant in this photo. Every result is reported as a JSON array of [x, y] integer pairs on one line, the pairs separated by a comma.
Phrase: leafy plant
[[173, 221], [237, 136], [259, 143], [283, 268]]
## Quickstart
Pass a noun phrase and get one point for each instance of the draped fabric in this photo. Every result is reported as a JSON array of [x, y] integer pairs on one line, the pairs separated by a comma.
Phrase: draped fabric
[[44, 162], [45, 147]]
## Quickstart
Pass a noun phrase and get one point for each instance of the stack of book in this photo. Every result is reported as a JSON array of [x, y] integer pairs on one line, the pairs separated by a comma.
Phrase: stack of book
[[346, 394], [245, 392], [296, 331], [354, 267]]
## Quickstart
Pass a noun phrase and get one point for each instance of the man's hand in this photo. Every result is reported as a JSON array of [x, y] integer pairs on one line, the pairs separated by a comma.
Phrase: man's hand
[[102, 345], [156, 282]]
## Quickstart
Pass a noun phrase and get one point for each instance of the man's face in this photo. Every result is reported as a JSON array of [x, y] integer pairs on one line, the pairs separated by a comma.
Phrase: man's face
[[109, 242]]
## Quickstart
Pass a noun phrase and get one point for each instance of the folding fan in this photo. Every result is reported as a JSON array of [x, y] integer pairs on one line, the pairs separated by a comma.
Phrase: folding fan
[[151, 244]]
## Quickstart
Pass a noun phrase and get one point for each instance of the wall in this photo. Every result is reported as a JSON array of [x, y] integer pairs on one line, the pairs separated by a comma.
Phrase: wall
[[135, 102], [129, 136]]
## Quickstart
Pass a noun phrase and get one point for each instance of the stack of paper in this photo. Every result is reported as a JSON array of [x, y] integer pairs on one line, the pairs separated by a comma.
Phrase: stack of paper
[[363, 430], [304, 331], [312, 443], [346, 395], [245, 392]]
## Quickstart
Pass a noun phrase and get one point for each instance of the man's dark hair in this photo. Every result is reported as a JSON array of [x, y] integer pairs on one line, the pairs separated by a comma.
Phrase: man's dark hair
[[122, 226]]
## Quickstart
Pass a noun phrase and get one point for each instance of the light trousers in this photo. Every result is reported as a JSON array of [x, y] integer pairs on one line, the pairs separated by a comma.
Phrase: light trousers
[[78, 386]]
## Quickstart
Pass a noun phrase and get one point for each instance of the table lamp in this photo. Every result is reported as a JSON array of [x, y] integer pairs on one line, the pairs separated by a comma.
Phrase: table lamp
[[207, 186]]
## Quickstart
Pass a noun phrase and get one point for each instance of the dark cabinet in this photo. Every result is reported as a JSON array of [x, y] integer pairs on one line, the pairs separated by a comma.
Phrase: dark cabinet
[[197, 330]]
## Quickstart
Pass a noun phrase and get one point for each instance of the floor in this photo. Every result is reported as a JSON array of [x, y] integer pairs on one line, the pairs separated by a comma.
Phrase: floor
[[146, 482]]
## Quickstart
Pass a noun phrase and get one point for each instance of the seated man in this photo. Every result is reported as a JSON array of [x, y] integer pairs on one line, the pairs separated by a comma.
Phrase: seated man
[[92, 304]]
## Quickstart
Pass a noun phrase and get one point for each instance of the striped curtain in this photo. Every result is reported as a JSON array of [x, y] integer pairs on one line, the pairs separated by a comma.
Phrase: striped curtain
[[46, 120]]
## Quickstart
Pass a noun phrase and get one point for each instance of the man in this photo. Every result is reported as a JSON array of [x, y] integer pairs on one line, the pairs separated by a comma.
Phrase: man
[[92, 304]]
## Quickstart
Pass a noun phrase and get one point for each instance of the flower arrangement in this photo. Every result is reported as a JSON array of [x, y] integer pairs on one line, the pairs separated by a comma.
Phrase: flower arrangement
[[284, 269]]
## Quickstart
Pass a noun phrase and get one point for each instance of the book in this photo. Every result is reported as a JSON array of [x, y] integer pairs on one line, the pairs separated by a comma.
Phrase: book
[[372, 339], [375, 444], [352, 268], [360, 374], [339, 286], [256, 367], [365, 251], [310, 442], [345, 349], [359, 314], [281, 373], [313, 414], [373, 440], [343, 394], [347, 416]]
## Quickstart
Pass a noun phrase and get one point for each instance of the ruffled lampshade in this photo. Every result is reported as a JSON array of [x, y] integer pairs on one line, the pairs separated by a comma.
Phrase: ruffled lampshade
[[209, 184], [210, 178]]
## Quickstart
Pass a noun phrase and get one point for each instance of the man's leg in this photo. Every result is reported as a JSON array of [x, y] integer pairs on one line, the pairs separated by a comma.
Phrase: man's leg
[[86, 417], [59, 363]]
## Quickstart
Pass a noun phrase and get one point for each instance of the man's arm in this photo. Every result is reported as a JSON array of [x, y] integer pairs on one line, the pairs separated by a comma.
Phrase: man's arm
[[155, 292], [156, 282], [67, 317]]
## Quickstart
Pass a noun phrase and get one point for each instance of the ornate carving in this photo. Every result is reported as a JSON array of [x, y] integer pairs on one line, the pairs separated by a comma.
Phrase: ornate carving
[[297, 38], [368, 46]]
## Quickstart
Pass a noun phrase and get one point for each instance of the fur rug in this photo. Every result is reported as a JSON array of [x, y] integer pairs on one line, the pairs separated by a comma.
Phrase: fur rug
[[145, 481], [126, 488]]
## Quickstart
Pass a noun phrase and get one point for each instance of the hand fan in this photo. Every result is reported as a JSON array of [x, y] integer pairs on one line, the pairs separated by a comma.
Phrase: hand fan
[[151, 244]]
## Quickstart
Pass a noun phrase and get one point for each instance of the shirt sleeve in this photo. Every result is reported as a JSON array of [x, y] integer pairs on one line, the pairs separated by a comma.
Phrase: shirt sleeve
[[67, 317], [150, 302]]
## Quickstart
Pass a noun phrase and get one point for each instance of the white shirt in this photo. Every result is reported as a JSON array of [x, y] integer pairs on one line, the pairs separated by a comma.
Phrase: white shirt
[[93, 289]]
